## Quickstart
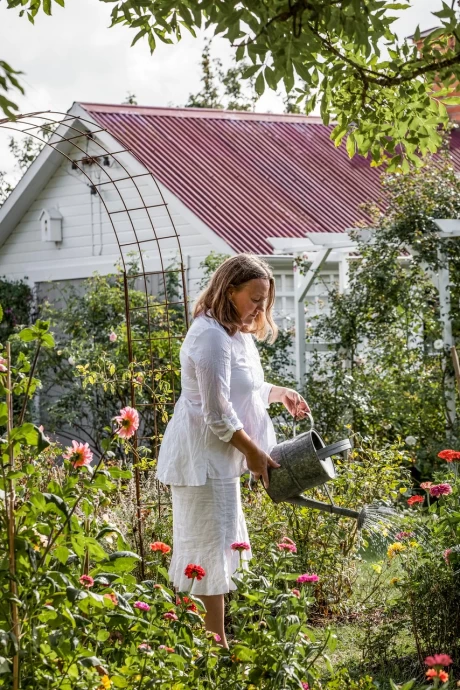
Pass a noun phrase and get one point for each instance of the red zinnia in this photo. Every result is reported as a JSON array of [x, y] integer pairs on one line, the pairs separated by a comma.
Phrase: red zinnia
[[449, 455], [415, 499], [193, 571], [160, 546]]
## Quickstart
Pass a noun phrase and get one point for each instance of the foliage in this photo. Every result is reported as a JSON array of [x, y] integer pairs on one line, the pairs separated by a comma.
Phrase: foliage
[[325, 542], [387, 371], [383, 102], [18, 296], [232, 96], [210, 264], [88, 377], [5, 188]]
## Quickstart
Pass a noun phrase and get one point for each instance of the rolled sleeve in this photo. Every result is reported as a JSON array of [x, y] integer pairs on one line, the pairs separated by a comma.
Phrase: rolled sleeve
[[211, 354], [265, 393]]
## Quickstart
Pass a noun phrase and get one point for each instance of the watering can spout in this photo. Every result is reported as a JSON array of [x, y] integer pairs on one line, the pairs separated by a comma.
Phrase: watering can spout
[[359, 516]]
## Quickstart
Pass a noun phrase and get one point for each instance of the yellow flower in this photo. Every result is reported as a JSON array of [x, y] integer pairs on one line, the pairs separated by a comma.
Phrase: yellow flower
[[106, 683], [395, 548], [413, 543], [394, 580]]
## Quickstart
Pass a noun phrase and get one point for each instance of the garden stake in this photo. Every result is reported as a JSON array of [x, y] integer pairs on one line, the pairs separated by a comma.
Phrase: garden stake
[[11, 523]]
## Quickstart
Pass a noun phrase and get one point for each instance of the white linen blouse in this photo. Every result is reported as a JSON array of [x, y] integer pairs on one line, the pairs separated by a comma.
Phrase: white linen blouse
[[223, 390]]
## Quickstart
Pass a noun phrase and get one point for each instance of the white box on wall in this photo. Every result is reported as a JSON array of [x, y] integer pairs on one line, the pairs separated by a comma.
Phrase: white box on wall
[[51, 225]]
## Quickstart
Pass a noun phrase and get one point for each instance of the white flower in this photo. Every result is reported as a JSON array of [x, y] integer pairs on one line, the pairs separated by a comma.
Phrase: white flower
[[410, 440], [438, 344], [388, 426], [71, 361]]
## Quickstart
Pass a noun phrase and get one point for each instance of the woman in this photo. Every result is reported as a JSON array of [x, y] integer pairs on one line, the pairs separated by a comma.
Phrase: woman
[[220, 428]]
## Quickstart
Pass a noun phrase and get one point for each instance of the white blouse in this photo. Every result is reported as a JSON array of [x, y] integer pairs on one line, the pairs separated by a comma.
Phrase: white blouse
[[223, 390]]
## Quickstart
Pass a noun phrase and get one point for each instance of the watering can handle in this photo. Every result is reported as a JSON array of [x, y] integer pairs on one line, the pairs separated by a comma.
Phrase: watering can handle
[[310, 419]]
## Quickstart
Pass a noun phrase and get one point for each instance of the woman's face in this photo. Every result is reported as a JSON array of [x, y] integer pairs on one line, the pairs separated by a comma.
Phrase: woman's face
[[250, 299]]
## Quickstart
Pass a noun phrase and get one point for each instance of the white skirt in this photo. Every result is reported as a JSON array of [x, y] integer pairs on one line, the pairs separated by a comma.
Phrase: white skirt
[[207, 520]]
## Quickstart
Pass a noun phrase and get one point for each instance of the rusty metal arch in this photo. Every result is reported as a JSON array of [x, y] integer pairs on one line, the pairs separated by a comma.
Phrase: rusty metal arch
[[83, 149]]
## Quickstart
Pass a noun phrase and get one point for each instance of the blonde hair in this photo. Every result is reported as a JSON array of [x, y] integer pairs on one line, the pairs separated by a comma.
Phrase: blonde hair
[[235, 272]]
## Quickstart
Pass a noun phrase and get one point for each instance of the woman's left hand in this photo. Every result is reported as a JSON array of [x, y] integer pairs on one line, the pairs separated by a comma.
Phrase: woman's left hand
[[294, 403]]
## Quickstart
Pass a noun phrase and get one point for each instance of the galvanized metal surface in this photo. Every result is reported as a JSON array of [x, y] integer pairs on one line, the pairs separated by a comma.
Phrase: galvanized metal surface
[[248, 176]]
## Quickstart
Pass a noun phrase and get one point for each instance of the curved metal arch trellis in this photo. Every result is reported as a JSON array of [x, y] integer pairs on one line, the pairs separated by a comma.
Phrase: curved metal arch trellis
[[142, 223]]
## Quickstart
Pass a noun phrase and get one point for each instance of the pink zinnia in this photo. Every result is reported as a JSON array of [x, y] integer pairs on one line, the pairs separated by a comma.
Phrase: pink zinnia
[[141, 605], [128, 421], [446, 555], [112, 337], [240, 546], [403, 535], [426, 485], [217, 637], [144, 647], [305, 686], [307, 578], [287, 547], [2, 365], [438, 660], [440, 490], [79, 454], [170, 616], [86, 580]]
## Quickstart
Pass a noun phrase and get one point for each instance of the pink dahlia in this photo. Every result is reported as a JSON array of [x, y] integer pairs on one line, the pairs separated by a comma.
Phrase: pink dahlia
[[128, 422], [79, 454], [3, 365], [440, 490], [113, 336], [287, 547], [170, 616], [141, 605], [449, 455], [307, 578], [240, 546], [438, 660], [86, 581]]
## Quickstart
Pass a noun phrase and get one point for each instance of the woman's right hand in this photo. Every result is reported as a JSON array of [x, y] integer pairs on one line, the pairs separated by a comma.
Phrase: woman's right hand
[[258, 463]]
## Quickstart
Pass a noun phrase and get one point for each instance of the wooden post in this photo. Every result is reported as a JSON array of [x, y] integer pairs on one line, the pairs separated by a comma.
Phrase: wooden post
[[10, 502]]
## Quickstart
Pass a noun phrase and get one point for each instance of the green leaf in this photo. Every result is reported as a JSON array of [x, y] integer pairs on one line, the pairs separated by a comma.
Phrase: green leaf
[[351, 145], [243, 653], [89, 661], [57, 501], [1, 313], [4, 665], [260, 84], [47, 7], [119, 681], [3, 414], [62, 554]]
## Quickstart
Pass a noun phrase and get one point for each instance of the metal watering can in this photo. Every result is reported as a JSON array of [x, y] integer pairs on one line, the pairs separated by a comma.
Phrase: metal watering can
[[305, 462]]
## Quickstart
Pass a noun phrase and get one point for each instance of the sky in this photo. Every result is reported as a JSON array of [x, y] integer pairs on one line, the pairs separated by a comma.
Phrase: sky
[[74, 56]]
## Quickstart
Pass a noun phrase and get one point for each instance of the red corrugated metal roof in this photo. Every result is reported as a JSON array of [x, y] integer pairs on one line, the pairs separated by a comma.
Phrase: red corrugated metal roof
[[248, 176]]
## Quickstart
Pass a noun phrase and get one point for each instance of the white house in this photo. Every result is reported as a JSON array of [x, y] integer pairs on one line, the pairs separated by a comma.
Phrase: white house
[[230, 182]]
